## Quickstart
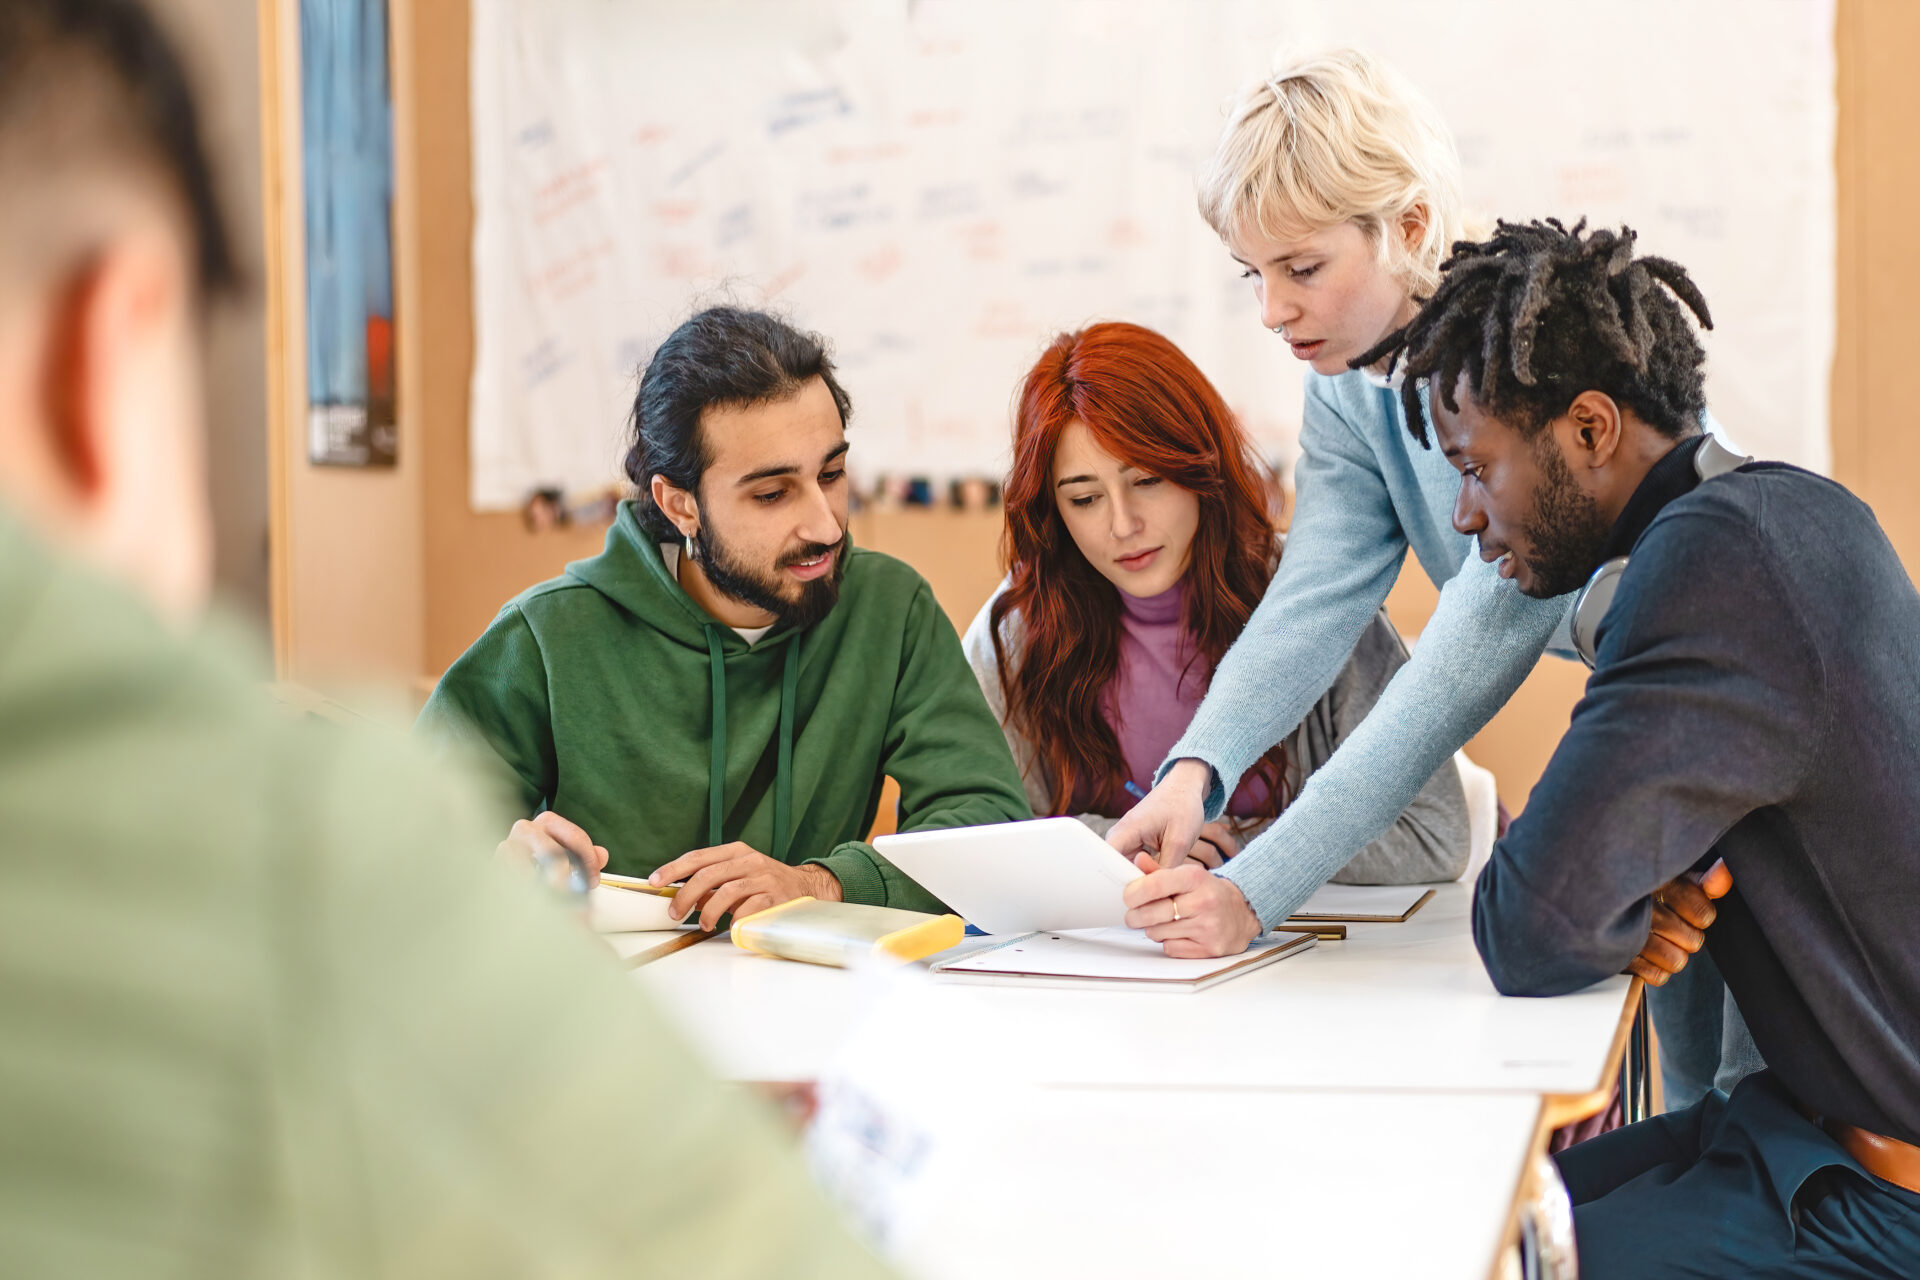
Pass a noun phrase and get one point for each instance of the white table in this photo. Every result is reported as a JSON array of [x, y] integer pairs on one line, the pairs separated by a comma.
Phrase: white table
[[1310, 1183], [1395, 1006], [1367, 1107]]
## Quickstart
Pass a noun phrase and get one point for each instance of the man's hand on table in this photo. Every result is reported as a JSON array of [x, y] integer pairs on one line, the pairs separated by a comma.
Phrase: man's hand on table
[[1682, 910], [739, 880], [1214, 918], [541, 844], [1170, 818]]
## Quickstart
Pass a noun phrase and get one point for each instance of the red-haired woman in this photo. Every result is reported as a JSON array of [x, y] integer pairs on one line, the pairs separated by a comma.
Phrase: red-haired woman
[[1138, 542]]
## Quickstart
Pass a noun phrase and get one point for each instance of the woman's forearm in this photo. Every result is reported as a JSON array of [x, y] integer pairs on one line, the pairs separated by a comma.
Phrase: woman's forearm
[[1341, 559], [1483, 639]]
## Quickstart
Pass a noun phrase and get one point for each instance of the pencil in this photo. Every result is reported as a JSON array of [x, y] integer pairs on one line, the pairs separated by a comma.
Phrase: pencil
[[635, 884]]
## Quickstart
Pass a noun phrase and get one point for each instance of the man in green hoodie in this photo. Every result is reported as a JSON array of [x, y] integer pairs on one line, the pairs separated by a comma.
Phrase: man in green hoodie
[[719, 694]]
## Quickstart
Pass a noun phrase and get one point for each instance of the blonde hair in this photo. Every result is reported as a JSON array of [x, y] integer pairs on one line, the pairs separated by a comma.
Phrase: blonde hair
[[1332, 137]]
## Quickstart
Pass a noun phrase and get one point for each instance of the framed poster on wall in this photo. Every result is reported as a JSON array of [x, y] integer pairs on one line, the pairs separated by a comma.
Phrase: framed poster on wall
[[347, 163]]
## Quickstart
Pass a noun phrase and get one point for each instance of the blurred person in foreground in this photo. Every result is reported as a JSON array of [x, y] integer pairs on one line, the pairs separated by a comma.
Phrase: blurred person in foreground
[[263, 1009]]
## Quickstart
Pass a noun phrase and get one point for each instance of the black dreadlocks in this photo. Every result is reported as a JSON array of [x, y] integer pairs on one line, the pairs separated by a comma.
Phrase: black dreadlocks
[[1537, 314]]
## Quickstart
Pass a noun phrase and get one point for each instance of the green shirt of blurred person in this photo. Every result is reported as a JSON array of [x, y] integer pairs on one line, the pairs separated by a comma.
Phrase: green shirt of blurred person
[[266, 1005]]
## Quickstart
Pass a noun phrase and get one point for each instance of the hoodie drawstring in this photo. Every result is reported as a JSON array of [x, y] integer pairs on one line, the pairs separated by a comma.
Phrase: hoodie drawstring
[[717, 769], [783, 771]]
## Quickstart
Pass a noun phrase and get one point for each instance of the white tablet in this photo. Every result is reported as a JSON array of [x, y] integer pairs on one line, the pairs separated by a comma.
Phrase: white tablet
[[1017, 877]]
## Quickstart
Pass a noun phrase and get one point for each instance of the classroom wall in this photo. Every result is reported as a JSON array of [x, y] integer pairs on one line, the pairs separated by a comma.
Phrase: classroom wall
[[1876, 445], [347, 575], [469, 564]]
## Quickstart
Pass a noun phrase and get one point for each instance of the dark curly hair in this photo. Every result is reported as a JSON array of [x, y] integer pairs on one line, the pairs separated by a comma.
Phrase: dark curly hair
[[1537, 314], [721, 356]]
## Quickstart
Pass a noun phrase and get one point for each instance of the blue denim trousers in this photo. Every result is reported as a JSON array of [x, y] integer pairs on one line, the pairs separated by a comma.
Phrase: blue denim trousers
[[1703, 1039]]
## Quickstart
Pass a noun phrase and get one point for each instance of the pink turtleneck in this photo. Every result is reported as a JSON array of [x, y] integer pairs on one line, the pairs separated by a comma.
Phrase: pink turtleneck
[[1152, 697]]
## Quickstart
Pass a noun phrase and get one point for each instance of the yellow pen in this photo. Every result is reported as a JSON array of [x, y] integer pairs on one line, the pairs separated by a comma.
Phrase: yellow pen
[[637, 885]]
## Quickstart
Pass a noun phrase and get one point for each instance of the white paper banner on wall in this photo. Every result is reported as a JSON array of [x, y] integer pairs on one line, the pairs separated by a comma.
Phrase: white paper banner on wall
[[938, 186]]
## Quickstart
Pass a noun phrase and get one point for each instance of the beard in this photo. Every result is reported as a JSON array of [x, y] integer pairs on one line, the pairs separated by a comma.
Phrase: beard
[[732, 577], [1566, 532]]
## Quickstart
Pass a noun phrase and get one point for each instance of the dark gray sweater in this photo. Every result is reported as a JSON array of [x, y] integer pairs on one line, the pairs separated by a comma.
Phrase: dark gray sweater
[[1756, 696]]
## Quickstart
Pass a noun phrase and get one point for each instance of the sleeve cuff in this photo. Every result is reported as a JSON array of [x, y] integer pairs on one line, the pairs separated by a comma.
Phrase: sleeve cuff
[[1216, 801], [1268, 908], [860, 880]]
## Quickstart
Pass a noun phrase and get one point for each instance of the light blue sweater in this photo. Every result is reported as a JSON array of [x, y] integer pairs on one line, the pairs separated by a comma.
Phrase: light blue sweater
[[1366, 492]]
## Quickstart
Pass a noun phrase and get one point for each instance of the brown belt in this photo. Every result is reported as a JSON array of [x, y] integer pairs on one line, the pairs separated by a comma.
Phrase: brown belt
[[1887, 1159]]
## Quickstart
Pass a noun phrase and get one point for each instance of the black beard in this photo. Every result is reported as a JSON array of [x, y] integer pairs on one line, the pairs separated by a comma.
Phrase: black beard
[[736, 580], [1566, 532]]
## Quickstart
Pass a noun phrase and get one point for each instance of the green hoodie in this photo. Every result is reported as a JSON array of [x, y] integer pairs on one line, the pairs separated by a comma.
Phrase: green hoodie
[[622, 705]]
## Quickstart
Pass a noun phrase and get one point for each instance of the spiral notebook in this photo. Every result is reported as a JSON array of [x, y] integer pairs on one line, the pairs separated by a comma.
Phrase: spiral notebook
[[1111, 958]]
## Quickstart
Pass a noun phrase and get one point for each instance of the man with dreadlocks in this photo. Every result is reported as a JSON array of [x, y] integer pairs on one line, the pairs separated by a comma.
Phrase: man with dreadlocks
[[1755, 699]]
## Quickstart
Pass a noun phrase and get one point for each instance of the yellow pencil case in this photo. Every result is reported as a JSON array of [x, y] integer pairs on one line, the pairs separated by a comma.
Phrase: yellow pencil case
[[844, 934]]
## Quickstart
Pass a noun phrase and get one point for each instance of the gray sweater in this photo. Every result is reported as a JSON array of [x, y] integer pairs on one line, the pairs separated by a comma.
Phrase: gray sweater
[[1427, 843]]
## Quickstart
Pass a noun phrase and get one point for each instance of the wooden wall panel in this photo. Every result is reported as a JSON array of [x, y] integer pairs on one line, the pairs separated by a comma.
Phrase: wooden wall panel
[[1876, 442], [347, 573]]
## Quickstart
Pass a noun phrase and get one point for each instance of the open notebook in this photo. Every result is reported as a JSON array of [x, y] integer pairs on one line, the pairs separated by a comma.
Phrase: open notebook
[[1115, 957]]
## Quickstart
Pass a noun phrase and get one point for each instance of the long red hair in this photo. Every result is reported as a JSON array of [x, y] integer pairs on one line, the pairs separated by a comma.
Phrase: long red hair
[[1148, 405]]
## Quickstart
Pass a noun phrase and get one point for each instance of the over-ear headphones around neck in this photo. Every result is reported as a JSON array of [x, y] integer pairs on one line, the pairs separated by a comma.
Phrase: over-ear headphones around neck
[[1711, 459]]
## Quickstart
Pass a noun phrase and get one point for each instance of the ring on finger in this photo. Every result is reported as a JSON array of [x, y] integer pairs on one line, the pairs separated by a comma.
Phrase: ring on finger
[[1176, 908]]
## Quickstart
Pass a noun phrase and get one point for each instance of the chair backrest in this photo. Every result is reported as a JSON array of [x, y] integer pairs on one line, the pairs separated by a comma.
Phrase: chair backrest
[[1483, 812]]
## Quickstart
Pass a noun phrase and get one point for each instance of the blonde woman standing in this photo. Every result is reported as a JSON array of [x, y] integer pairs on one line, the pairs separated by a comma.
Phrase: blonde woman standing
[[1336, 187]]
